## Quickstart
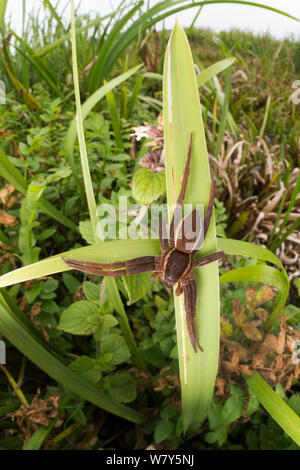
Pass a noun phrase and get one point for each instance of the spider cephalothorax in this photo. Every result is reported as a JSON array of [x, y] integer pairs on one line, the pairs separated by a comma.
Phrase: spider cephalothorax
[[176, 263]]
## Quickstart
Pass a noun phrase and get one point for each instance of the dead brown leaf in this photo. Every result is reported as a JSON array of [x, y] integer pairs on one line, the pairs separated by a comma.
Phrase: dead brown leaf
[[269, 345], [166, 381], [35, 309], [264, 294], [258, 361], [40, 411], [5, 192], [7, 219], [8, 257], [234, 346], [251, 301], [251, 332], [261, 313], [233, 364], [238, 312]]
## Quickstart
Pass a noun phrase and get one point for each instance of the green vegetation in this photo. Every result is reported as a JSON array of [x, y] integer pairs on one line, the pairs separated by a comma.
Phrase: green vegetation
[[97, 362]]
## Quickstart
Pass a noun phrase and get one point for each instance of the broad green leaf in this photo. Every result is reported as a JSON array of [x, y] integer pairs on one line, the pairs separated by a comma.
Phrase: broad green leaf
[[136, 286], [91, 291], [182, 116], [116, 345], [71, 283], [253, 405], [232, 409], [163, 430], [88, 368], [147, 186], [75, 319], [122, 387]]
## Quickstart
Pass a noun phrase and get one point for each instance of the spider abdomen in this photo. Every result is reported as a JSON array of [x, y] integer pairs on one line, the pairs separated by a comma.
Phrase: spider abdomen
[[176, 264]]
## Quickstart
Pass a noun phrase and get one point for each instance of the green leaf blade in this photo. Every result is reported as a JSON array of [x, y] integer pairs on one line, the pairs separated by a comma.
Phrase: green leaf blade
[[182, 115], [278, 409]]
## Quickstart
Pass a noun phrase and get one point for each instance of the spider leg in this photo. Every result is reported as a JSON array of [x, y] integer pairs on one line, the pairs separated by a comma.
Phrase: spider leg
[[133, 266], [155, 275], [210, 206], [208, 259], [182, 191], [190, 300], [179, 288]]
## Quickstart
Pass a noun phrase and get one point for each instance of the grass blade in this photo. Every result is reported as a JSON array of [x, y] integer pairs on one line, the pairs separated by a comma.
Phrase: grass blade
[[97, 72], [210, 72], [278, 409], [153, 16], [3, 5], [53, 45], [224, 112], [115, 119], [83, 155]]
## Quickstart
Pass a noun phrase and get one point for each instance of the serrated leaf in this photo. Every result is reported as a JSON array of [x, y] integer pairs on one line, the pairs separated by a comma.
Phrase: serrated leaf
[[32, 293], [169, 412], [137, 286], [87, 368], [109, 321], [75, 318], [122, 387], [50, 286], [91, 290], [116, 345], [147, 186]]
